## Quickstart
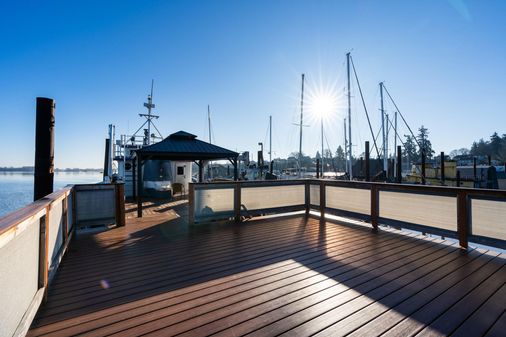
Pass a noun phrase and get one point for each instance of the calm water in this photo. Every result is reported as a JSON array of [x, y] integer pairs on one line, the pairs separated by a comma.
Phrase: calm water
[[16, 188]]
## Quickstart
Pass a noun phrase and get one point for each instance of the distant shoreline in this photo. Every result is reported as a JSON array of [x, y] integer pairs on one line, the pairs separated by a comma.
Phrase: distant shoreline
[[30, 169]]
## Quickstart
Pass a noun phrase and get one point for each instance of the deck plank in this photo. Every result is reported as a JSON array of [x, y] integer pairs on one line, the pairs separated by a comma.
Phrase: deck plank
[[293, 274]]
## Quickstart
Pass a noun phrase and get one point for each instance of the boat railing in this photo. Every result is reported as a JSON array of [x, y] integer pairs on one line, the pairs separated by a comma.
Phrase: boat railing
[[34, 239], [466, 214]]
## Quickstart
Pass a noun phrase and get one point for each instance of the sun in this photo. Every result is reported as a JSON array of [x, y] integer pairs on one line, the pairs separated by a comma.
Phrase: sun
[[323, 103]]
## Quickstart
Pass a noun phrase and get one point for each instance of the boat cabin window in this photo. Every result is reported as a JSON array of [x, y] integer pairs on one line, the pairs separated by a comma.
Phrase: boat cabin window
[[180, 170]]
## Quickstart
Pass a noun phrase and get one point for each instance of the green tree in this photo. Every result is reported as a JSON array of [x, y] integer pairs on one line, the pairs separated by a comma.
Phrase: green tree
[[410, 152], [424, 143], [340, 159], [495, 145]]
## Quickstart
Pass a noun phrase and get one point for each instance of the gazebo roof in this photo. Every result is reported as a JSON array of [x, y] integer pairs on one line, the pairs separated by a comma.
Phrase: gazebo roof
[[182, 145]]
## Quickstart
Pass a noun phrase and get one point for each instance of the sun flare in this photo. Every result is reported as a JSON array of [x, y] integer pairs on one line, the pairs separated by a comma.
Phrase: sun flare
[[323, 103]]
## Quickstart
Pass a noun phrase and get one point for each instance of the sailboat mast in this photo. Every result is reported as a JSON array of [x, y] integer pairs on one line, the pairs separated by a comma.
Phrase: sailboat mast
[[395, 138], [209, 122], [350, 171], [345, 148], [301, 121], [209, 169], [385, 146], [322, 149], [270, 140]]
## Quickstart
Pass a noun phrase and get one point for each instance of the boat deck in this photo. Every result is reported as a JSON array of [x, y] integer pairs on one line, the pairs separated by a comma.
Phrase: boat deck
[[287, 275]]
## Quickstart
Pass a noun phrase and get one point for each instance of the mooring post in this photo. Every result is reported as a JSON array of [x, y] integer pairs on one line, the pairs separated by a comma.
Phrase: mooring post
[[423, 166], [489, 157], [44, 148], [399, 164], [106, 159], [367, 162], [475, 172], [442, 168], [458, 178], [317, 168]]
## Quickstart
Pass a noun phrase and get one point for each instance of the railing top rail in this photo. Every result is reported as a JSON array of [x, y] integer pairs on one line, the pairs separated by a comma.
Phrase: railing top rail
[[96, 186], [445, 190], [35, 209]]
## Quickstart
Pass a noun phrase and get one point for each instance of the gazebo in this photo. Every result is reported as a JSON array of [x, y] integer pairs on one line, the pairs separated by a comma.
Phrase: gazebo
[[181, 146]]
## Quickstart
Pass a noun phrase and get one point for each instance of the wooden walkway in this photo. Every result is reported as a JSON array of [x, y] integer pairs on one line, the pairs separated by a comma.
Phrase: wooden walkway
[[289, 276]]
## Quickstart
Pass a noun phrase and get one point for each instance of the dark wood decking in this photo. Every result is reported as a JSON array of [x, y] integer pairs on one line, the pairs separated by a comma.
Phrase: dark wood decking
[[280, 276]]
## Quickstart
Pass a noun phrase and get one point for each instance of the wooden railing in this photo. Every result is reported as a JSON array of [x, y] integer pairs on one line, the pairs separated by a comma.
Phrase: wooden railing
[[476, 215], [33, 241]]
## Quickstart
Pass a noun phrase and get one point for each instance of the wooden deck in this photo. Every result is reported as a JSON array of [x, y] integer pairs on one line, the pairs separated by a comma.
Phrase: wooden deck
[[287, 276]]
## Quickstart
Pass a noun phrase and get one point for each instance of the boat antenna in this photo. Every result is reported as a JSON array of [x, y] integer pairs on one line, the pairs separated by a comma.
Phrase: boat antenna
[[149, 116]]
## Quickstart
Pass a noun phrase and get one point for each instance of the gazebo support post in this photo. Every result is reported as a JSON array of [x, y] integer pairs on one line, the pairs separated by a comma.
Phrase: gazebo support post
[[201, 171], [236, 171], [139, 185]]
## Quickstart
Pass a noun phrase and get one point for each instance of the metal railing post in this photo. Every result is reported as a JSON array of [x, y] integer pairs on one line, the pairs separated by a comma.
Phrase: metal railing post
[[307, 195], [191, 204], [322, 200], [463, 218], [374, 206], [43, 253], [237, 202], [120, 204]]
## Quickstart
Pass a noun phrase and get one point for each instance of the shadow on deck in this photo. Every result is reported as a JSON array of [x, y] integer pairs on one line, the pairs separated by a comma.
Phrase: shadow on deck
[[286, 275]]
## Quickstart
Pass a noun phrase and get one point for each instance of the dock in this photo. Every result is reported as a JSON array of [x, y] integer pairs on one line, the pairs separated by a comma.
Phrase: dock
[[290, 275], [257, 258]]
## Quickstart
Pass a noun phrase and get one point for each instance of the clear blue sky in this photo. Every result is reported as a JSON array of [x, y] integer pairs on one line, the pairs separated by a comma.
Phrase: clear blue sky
[[443, 61]]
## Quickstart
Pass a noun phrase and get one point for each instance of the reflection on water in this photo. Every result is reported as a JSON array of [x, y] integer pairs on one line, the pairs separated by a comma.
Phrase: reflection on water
[[16, 188]]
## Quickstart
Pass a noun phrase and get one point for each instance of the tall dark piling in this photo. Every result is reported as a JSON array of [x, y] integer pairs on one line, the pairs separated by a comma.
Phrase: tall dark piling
[[399, 165], [442, 168], [489, 157], [475, 172], [458, 178], [44, 148], [423, 166], [317, 168], [106, 158], [367, 162]]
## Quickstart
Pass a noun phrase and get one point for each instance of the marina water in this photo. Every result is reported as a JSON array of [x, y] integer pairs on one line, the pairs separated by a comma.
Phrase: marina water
[[16, 188]]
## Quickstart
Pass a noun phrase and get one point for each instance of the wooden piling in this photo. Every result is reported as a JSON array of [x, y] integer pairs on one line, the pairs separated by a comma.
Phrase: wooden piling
[[442, 168], [367, 162], [106, 158], [44, 148], [399, 164]]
